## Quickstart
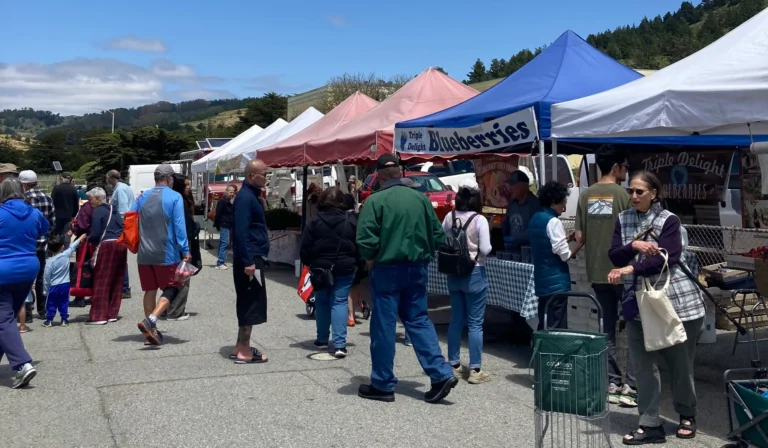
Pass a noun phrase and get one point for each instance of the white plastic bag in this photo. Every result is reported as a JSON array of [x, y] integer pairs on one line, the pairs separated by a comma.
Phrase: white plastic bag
[[662, 326], [184, 271]]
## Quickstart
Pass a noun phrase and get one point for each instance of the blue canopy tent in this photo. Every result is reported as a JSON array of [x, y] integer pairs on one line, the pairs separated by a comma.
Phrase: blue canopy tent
[[568, 69]]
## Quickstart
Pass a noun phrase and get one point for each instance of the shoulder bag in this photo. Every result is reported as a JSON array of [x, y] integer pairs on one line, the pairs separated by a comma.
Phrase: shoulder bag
[[103, 234], [662, 327], [322, 278]]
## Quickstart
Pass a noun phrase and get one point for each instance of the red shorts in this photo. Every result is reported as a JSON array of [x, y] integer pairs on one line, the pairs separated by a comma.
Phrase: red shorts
[[153, 277]]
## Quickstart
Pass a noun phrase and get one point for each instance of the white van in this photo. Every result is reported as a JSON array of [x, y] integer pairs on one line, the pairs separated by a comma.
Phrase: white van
[[450, 172], [142, 177]]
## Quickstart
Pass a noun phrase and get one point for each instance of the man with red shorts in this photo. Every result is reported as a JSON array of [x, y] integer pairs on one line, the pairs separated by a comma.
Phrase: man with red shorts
[[162, 237]]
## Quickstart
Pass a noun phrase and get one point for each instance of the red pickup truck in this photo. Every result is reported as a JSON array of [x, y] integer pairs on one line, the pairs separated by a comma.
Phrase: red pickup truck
[[441, 196]]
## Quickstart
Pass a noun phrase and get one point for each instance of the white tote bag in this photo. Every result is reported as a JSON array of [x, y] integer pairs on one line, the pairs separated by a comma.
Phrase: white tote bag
[[662, 327]]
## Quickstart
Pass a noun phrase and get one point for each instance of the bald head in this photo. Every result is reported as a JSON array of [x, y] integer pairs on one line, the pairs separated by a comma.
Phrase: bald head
[[256, 173]]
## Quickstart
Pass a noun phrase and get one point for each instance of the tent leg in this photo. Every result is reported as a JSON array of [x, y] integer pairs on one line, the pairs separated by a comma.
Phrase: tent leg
[[304, 194], [542, 165], [554, 159]]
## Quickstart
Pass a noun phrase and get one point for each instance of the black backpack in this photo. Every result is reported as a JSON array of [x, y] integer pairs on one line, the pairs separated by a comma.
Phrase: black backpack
[[453, 256]]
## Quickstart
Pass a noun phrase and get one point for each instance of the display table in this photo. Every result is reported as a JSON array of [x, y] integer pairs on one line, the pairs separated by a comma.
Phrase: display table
[[510, 285], [284, 246]]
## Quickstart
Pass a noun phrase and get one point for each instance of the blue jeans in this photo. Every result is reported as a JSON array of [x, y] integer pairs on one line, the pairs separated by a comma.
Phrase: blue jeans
[[223, 245], [400, 289], [331, 311], [468, 296], [12, 298]]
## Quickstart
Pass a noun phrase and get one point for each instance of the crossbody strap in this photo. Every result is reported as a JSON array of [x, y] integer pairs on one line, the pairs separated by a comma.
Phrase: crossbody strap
[[341, 237]]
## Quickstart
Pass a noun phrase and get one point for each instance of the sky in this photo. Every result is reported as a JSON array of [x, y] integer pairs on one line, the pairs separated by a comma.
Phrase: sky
[[69, 55]]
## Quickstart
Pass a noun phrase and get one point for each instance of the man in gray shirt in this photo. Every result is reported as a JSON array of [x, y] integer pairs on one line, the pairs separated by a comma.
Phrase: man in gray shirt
[[522, 206]]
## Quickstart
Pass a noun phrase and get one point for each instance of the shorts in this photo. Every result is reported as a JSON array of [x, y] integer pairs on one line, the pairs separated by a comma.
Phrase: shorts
[[251, 302], [154, 277]]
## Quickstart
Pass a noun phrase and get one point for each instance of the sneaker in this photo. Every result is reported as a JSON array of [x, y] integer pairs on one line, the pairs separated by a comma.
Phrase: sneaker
[[150, 332], [477, 377], [126, 294], [222, 267], [613, 393], [369, 392], [340, 353], [111, 320], [23, 376], [319, 344], [184, 316], [440, 390], [64, 322], [460, 372], [628, 397], [407, 342], [77, 303], [48, 324], [96, 322]]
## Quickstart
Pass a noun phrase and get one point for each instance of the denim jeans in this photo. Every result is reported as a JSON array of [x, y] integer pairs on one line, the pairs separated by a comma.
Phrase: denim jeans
[[400, 289], [331, 311], [223, 245], [468, 297], [609, 297]]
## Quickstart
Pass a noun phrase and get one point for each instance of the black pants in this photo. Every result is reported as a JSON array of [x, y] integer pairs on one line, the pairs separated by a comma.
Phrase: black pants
[[39, 284], [557, 312], [251, 303], [609, 297]]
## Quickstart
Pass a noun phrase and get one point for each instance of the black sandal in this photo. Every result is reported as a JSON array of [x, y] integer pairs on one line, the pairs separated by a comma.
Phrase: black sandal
[[686, 424], [655, 435]]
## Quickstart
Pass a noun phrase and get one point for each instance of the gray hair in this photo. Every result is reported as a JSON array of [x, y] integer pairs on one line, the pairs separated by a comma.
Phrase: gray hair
[[97, 193], [113, 174], [11, 188]]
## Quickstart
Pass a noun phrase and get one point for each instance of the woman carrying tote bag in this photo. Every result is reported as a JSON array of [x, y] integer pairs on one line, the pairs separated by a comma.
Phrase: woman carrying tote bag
[[638, 239]]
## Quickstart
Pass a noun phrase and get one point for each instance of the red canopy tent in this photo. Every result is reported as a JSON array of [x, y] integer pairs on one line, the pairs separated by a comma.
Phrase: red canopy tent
[[370, 135], [290, 152]]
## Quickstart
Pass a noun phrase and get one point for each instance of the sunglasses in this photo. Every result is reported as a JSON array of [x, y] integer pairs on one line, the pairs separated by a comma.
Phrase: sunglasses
[[637, 191]]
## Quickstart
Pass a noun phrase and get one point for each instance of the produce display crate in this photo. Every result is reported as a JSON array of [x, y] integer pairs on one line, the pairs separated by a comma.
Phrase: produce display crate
[[740, 262], [722, 272]]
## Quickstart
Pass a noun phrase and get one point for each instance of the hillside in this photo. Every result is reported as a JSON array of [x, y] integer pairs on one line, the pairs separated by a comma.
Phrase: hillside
[[651, 44], [225, 119]]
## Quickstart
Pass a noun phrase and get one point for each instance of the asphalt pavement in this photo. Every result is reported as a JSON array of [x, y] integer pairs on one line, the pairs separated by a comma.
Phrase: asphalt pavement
[[98, 386]]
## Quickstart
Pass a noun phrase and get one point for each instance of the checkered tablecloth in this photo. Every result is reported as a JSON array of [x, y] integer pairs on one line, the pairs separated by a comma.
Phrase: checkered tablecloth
[[510, 285]]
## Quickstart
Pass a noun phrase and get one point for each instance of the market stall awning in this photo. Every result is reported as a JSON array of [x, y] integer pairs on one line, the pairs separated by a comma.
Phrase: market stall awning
[[269, 130], [370, 135], [707, 98], [569, 68], [290, 152], [208, 163]]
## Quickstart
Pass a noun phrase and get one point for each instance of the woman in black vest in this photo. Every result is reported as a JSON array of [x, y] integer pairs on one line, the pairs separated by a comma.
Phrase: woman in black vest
[[328, 247]]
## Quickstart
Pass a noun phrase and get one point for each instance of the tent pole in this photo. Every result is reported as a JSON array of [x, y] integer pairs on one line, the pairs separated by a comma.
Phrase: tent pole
[[554, 159], [304, 190], [542, 165]]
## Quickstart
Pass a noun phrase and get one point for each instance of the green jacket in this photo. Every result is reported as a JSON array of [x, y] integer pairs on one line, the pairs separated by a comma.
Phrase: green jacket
[[398, 224]]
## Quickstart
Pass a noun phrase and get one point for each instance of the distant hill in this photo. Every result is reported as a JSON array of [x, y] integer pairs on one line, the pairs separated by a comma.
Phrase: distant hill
[[225, 119]]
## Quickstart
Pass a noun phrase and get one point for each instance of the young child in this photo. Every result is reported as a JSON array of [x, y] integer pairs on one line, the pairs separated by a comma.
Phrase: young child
[[56, 280]]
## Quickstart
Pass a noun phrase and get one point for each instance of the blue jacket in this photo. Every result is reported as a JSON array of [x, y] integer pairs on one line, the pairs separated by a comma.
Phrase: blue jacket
[[162, 232], [249, 226], [550, 273], [20, 227]]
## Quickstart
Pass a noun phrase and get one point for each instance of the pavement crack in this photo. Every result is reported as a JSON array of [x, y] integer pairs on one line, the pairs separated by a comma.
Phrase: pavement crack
[[85, 344], [105, 414]]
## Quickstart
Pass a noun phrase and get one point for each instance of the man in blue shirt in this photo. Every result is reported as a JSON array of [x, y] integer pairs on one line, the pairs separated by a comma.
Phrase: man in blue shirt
[[522, 206], [122, 199], [162, 236], [250, 247]]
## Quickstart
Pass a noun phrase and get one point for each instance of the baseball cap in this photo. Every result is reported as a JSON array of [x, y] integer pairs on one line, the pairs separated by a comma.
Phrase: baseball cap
[[164, 170], [28, 177], [386, 161], [469, 183], [66, 175], [7, 168], [518, 176]]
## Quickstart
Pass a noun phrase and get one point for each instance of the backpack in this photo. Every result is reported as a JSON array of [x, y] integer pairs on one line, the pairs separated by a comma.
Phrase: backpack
[[453, 256]]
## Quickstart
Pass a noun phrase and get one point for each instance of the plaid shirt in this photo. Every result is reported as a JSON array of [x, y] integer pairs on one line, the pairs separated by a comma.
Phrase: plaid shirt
[[41, 201], [685, 297]]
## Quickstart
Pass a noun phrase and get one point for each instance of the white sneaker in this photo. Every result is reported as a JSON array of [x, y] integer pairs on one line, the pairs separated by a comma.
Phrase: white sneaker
[[613, 393], [476, 377], [96, 322], [22, 377], [184, 316], [222, 267], [460, 372], [111, 320]]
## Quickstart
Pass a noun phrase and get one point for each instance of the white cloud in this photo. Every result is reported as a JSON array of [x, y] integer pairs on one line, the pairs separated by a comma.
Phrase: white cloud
[[336, 20], [274, 83], [134, 43], [205, 94], [68, 87]]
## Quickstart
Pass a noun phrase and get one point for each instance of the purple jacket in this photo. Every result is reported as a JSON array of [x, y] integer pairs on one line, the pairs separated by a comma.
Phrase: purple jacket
[[82, 223]]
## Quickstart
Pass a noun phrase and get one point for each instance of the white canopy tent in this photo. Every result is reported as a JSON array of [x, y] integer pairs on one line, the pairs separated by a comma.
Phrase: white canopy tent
[[221, 161], [718, 95], [208, 162], [236, 160]]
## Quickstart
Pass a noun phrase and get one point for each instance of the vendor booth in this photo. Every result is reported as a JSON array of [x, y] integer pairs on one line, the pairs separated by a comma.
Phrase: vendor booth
[[208, 162]]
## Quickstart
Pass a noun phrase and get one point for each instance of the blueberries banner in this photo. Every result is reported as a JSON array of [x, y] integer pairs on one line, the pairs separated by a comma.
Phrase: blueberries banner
[[510, 130], [688, 176]]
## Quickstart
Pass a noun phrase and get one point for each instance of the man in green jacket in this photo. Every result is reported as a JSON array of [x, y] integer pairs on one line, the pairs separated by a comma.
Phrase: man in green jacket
[[398, 234]]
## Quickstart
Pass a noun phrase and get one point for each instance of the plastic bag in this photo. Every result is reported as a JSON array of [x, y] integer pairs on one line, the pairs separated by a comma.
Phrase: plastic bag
[[184, 271]]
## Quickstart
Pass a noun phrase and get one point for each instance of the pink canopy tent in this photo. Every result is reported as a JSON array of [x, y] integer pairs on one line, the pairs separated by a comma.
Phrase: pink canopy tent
[[290, 152], [370, 135]]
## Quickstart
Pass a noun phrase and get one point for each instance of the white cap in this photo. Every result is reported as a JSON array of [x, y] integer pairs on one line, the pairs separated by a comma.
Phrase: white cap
[[470, 183], [27, 177]]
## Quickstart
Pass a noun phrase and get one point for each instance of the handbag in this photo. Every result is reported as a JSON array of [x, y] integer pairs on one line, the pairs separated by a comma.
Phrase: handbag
[[130, 236], [322, 278], [662, 327], [103, 234]]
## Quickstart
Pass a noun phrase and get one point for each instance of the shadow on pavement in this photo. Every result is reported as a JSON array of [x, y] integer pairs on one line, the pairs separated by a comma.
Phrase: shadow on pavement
[[403, 387], [139, 338], [310, 345]]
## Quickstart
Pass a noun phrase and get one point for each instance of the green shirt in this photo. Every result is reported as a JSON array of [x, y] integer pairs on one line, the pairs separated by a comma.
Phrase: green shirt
[[596, 215], [398, 224]]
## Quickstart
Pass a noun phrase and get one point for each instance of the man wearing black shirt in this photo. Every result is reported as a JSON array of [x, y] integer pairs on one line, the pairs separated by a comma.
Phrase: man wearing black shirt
[[66, 203]]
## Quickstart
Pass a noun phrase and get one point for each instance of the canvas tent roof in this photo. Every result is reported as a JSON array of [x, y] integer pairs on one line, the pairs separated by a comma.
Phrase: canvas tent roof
[[569, 68], [290, 152], [269, 130], [706, 98], [370, 134], [208, 163]]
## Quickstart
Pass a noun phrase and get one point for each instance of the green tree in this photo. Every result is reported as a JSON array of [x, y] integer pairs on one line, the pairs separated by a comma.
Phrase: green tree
[[477, 74], [441, 69], [9, 154], [264, 111]]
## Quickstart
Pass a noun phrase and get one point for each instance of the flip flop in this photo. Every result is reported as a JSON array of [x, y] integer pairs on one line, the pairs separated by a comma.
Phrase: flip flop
[[253, 352], [257, 358]]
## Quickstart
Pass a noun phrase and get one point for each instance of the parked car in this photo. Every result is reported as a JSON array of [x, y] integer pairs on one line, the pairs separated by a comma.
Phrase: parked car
[[450, 172], [441, 196]]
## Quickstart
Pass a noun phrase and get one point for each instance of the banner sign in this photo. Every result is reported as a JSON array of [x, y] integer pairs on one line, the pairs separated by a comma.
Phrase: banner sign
[[688, 176], [513, 129], [492, 173]]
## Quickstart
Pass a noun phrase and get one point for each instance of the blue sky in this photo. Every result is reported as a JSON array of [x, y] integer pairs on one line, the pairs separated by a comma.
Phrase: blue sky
[[68, 54]]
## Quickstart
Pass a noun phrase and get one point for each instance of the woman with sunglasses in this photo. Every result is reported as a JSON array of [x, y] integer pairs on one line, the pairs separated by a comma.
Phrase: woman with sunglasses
[[639, 235]]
